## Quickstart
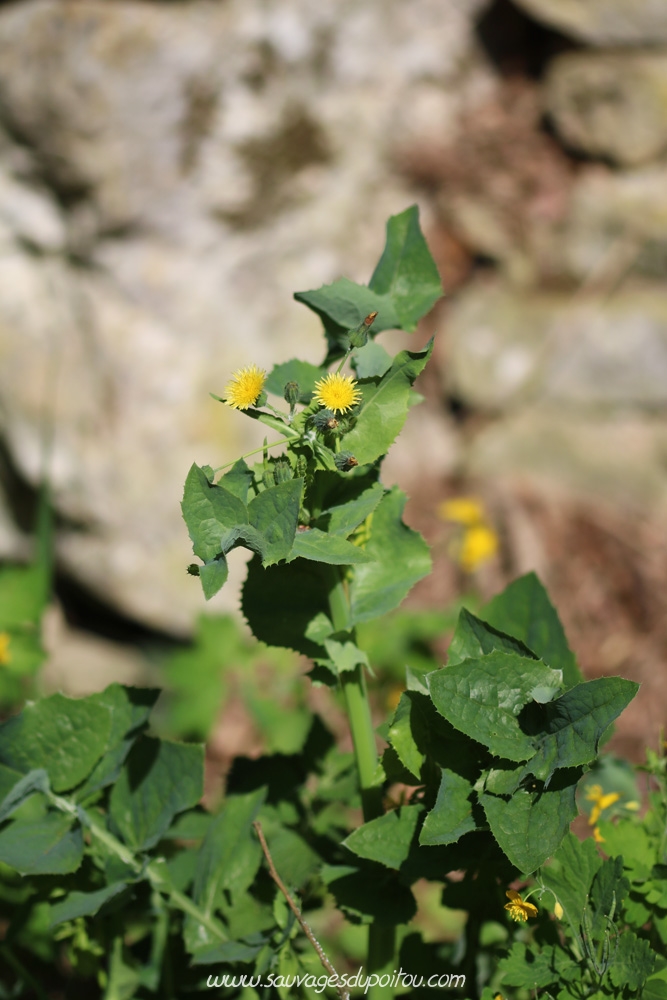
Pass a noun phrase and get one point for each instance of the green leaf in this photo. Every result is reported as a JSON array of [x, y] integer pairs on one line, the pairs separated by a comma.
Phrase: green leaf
[[228, 859], [406, 271], [568, 730], [322, 547], [474, 638], [570, 874], [237, 481], [524, 611], [400, 558], [344, 655], [344, 305], [65, 736], [83, 904], [301, 372], [655, 989], [417, 732], [210, 512], [530, 825], [22, 596], [483, 698], [370, 893], [349, 501], [451, 816], [371, 360], [33, 781], [633, 962], [293, 857], [228, 951], [50, 846], [274, 514], [213, 576], [524, 967], [386, 839], [280, 602], [385, 406], [608, 890], [158, 780], [130, 708], [630, 839]]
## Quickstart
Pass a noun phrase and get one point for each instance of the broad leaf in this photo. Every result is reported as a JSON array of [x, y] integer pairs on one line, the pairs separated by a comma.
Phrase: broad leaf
[[213, 576], [322, 547], [387, 839], [634, 961], [530, 826], [274, 514], [344, 305], [524, 967], [280, 602], [451, 816], [238, 480], [370, 360], [406, 272], [158, 780], [65, 736], [52, 845], [348, 501], [400, 558], [474, 638], [483, 698], [83, 904], [570, 874], [524, 611], [33, 781], [209, 512], [301, 372], [385, 406]]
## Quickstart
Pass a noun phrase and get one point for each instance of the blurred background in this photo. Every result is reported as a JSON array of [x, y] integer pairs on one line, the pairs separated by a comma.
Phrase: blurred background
[[171, 172]]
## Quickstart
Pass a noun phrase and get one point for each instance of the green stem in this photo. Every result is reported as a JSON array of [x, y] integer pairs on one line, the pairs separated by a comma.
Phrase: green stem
[[381, 937], [274, 444]]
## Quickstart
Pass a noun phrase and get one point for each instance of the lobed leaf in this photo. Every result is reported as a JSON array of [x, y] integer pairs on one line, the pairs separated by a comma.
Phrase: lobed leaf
[[451, 816], [388, 838]]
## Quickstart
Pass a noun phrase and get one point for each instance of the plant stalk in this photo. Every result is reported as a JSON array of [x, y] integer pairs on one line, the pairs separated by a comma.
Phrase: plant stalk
[[381, 937]]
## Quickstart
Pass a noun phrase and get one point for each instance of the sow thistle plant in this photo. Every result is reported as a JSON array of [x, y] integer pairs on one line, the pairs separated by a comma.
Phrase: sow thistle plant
[[108, 855]]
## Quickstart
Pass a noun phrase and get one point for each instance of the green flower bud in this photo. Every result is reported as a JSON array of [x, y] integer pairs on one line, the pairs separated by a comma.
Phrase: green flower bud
[[344, 461], [282, 471], [304, 516], [324, 420], [268, 478], [193, 569], [301, 466], [291, 393], [261, 399], [359, 337]]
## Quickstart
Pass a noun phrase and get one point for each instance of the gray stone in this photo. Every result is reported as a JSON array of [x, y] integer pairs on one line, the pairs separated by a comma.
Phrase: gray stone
[[510, 348], [611, 104], [202, 161], [604, 22]]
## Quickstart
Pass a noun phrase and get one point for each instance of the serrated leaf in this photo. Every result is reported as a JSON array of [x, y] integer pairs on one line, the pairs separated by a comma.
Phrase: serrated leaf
[[608, 890], [568, 730], [228, 858], [400, 558], [474, 638], [371, 360], [406, 271], [570, 874], [322, 547], [53, 845], [524, 967], [524, 611], [344, 655], [451, 816], [348, 501], [280, 602], [484, 697], [65, 736], [130, 708], [238, 480], [210, 512], [83, 904], [530, 826], [274, 514], [633, 962], [301, 372], [418, 732], [386, 839], [158, 780], [385, 406]]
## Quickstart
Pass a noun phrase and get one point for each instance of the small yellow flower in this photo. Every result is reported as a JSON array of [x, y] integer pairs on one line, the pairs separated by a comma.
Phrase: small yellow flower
[[601, 802], [632, 806], [5, 655], [462, 510], [597, 836], [517, 908], [244, 387], [480, 543], [558, 911], [337, 392]]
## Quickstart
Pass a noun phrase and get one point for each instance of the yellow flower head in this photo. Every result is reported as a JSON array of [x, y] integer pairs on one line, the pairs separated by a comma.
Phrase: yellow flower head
[[597, 836], [462, 510], [479, 544], [517, 908], [558, 911], [244, 387], [5, 655], [337, 392], [601, 802]]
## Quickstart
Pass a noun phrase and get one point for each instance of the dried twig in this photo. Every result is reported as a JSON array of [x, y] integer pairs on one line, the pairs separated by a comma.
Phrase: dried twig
[[340, 990]]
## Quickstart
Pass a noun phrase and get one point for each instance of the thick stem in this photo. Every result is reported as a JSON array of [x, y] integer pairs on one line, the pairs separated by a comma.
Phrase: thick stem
[[381, 937]]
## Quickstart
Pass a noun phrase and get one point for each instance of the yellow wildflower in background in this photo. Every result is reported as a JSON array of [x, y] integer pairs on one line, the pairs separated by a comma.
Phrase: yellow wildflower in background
[[597, 836], [601, 802], [244, 387], [558, 911], [518, 909], [5, 655], [337, 392], [478, 542]]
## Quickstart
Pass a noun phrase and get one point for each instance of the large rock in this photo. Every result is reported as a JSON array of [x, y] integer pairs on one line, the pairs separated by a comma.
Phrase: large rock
[[611, 104], [598, 354], [604, 22], [178, 170]]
